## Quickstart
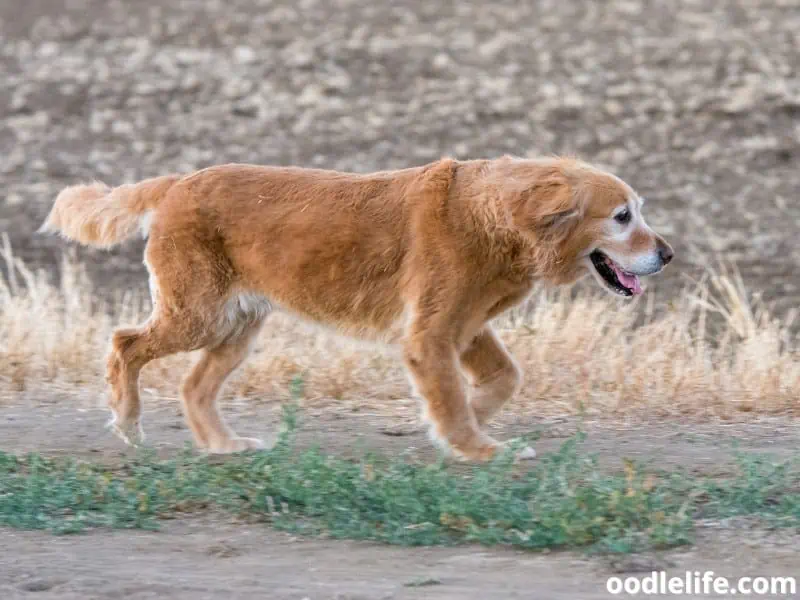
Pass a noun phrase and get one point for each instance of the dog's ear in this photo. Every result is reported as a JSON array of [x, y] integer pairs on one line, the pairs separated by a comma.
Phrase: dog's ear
[[548, 206]]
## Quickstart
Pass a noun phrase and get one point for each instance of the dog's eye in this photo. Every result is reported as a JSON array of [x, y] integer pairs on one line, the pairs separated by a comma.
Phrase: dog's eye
[[623, 216]]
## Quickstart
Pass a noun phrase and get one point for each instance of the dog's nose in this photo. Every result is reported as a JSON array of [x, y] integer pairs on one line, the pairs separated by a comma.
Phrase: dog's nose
[[666, 253]]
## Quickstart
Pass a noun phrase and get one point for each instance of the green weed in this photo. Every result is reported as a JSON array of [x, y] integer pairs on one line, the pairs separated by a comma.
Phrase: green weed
[[564, 500]]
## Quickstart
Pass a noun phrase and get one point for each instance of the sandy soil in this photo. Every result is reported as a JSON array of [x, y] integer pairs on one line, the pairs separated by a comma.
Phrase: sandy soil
[[696, 103]]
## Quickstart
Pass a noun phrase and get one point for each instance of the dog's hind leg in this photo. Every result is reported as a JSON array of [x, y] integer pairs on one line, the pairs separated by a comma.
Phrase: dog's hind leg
[[200, 390], [189, 290], [131, 350]]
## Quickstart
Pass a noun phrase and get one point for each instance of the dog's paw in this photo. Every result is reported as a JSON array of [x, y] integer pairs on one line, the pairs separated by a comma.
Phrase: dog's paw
[[130, 432], [519, 450], [527, 453], [238, 444]]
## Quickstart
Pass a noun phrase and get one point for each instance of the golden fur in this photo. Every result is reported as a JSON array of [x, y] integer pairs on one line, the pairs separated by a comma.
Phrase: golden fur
[[422, 258]]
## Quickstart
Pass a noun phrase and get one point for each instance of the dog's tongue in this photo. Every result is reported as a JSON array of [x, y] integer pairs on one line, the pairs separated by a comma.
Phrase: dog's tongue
[[628, 280]]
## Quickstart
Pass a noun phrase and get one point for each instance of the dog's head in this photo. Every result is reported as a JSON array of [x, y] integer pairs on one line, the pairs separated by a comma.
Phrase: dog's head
[[586, 220]]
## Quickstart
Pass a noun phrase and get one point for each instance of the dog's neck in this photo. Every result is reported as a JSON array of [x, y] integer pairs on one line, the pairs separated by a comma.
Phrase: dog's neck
[[513, 251]]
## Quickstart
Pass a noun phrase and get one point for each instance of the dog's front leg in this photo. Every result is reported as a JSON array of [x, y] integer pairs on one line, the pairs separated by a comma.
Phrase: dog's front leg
[[432, 361]]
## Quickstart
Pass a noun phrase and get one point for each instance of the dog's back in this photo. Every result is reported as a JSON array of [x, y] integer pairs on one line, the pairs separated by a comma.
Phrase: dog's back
[[329, 246]]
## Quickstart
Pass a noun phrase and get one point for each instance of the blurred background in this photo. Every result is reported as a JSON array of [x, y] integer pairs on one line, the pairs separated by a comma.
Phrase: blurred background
[[695, 103]]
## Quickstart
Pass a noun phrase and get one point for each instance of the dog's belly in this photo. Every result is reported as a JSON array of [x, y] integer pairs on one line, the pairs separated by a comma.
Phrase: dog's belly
[[366, 322], [387, 335]]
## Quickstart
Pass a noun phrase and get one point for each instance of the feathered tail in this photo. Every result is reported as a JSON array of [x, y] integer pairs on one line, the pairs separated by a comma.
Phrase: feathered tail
[[97, 215]]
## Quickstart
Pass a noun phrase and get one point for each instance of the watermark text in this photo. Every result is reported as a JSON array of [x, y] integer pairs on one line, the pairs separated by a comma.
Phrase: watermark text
[[701, 582]]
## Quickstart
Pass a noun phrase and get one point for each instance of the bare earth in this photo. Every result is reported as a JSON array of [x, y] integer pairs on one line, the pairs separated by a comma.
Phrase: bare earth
[[216, 557], [696, 103]]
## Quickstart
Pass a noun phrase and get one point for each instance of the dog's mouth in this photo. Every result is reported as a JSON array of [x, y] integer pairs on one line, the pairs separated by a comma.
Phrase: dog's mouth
[[616, 279]]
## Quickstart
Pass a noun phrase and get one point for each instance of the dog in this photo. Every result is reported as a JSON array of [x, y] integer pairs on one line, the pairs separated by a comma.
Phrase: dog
[[421, 258]]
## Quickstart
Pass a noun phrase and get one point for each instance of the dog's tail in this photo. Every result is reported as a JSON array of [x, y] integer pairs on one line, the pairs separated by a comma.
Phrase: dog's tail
[[97, 215]]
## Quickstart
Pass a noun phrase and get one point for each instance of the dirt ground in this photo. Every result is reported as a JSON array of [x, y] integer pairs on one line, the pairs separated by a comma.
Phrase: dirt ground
[[696, 103], [217, 557], [202, 560]]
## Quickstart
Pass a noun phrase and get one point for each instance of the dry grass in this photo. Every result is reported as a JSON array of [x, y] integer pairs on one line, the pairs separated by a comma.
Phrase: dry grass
[[710, 351]]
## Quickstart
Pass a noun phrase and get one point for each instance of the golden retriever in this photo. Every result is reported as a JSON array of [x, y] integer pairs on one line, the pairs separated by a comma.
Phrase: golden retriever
[[422, 258]]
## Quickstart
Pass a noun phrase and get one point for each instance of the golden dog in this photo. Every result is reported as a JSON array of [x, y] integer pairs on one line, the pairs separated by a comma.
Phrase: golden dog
[[422, 258]]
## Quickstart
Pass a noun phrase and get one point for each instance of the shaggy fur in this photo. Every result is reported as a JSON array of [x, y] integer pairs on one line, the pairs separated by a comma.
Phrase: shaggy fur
[[422, 258]]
